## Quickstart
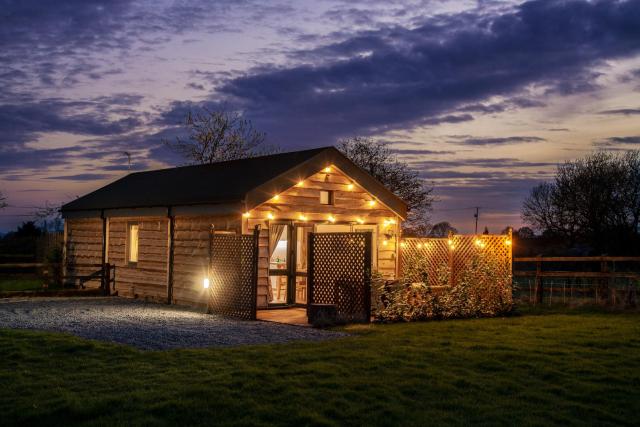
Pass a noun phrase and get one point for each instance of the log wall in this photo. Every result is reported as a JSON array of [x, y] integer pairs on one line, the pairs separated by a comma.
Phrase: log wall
[[83, 246]]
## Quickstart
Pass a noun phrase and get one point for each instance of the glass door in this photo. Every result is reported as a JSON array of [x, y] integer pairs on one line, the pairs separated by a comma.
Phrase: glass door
[[279, 263], [302, 259]]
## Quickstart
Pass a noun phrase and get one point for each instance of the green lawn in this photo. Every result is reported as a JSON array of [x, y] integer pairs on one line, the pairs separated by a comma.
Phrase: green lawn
[[20, 283], [553, 368]]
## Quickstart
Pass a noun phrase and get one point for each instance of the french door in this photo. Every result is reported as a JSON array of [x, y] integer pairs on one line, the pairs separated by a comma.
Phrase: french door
[[288, 261]]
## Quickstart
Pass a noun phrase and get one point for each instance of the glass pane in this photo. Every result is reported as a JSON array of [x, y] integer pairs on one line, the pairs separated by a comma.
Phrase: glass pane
[[302, 240], [278, 246], [278, 288], [301, 290], [133, 243]]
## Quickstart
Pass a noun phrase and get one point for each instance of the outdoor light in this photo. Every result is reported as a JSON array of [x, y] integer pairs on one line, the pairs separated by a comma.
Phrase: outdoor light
[[450, 242], [360, 220], [419, 245], [403, 244], [372, 203], [270, 216], [246, 214], [385, 242], [302, 217], [205, 283], [300, 183], [350, 187], [508, 242], [327, 169], [331, 218], [478, 242], [276, 197]]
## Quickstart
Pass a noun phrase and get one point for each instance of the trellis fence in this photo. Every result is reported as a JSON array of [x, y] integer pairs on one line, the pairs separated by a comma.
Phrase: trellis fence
[[233, 274], [454, 253]]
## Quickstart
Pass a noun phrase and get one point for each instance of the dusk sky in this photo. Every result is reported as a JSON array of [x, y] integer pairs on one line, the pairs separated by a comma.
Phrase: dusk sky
[[484, 98]]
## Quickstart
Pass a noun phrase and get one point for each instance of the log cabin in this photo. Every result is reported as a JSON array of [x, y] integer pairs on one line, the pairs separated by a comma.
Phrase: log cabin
[[154, 226]]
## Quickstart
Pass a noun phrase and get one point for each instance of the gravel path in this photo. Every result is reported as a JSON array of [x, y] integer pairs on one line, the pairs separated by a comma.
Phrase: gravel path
[[146, 326]]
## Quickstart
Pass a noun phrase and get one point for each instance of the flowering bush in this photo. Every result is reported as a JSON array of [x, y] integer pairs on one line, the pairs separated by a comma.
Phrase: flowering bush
[[481, 289]]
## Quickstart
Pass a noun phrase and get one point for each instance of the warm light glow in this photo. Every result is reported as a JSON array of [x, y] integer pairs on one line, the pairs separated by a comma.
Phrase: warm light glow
[[327, 169], [331, 218], [350, 187], [385, 242], [360, 220], [205, 283], [372, 202], [403, 244], [419, 245], [302, 217], [246, 214], [270, 215], [276, 197], [508, 242], [478, 242], [389, 221], [450, 242], [300, 183]]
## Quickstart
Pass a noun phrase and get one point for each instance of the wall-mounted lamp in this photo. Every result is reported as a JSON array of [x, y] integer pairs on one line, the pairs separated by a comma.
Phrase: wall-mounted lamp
[[205, 283]]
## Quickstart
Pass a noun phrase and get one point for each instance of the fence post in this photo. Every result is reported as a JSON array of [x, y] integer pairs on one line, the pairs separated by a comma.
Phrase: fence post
[[539, 285], [310, 263], [451, 261]]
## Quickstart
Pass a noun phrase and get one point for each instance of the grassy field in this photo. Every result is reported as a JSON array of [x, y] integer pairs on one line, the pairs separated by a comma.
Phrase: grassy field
[[546, 368]]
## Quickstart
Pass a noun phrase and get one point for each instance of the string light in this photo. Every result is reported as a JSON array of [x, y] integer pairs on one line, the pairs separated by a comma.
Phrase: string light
[[246, 214], [270, 215], [300, 183], [302, 217], [385, 242], [372, 203], [350, 187], [360, 220], [419, 245], [327, 169], [276, 197], [403, 244], [205, 283], [508, 242], [331, 218]]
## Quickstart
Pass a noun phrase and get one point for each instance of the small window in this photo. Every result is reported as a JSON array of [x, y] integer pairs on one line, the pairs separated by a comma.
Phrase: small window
[[326, 197], [132, 252]]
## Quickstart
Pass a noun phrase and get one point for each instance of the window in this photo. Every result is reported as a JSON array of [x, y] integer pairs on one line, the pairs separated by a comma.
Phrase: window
[[326, 197], [132, 239]]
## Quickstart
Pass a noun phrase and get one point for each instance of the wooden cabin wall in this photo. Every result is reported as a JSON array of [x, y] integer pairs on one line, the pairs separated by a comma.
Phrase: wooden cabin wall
[[83, 246], [191, 255], [146, 279], [350, 204]]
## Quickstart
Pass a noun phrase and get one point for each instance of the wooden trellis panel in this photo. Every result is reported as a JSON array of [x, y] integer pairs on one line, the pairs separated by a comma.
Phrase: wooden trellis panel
[[455, 252], [340, 273], [233, 275]]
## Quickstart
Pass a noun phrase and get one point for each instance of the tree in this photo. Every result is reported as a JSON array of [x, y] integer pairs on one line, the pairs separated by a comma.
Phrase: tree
[[525, 233], [378, 160], [442, 229], [3, 201], [217, 136], [593, 201]]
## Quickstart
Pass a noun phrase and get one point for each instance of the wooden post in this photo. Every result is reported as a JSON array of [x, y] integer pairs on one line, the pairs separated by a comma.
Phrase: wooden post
[[604, 282], [103, 277], [170, 251], [539, 285], [310, 262], [367, 275], [451, 259]]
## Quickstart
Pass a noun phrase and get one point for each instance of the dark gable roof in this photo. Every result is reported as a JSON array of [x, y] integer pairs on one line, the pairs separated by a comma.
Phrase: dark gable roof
[[249, 181]]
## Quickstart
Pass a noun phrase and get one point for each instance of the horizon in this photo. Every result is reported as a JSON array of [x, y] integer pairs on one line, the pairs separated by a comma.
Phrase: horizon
[[483, 98]]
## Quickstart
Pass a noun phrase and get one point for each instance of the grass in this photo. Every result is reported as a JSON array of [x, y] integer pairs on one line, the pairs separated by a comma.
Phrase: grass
[[19, 283], [553, 367]]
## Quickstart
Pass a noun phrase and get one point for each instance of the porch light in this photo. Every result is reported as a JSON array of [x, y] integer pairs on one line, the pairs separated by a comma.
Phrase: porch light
[[327, 169], [331, 218], [302, 217], [205, 283], [246, 214], [372, 203], [270, 216]]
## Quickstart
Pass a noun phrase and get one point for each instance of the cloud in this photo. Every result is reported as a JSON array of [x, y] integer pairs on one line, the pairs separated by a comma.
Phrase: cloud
[[398, 77], [81, 177], [622, 111], [499, 141], [617, 140]]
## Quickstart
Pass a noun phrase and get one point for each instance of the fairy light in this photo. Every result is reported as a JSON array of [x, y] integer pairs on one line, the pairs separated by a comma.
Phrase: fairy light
[[300, 183], [246, 214], [331, 218], [419, 245], [327, 169], [276, 197], [302, 217], [205, 283], [385, 242], [350, 187], [478, 242], [508, 242], [360, 220], [372, 203], [403, 244], [270, 215]]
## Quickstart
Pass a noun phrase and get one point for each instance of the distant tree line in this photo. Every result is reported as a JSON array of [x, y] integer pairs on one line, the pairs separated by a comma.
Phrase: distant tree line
[[593, 202]]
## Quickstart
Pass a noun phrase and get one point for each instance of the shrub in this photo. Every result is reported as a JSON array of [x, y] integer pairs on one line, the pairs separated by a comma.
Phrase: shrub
[[482, 288]]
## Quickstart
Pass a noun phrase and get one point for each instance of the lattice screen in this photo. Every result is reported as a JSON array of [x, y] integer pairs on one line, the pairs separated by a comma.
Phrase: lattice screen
[[340, 270], [437, 252], [233, 275]]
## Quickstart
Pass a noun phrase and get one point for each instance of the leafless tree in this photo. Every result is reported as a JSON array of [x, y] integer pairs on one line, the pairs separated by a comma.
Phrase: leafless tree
[[378, 160], [594, 200], [442, 229], [3, 201], [217, 136]]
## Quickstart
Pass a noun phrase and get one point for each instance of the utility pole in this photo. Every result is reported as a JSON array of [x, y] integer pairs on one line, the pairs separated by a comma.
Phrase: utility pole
[[476, 215]]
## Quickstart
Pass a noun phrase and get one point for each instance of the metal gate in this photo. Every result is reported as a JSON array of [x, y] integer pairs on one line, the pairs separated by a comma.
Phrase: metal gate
[[340, 273], [233, 274]]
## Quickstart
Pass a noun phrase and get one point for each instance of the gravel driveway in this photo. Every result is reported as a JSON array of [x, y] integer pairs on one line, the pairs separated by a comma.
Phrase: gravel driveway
[[147, 326]]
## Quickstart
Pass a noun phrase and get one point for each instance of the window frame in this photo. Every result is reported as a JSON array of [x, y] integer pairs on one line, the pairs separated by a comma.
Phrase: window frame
[[330, 197], [127, 253]]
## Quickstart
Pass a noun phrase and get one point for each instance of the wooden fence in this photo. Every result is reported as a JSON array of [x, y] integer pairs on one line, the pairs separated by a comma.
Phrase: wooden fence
[[575, 280]]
